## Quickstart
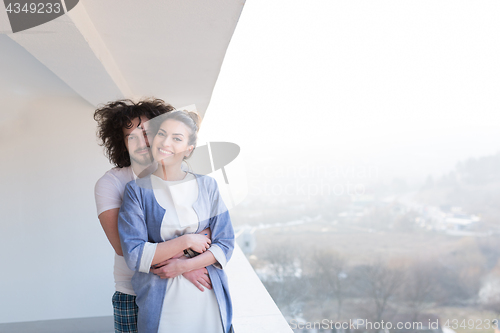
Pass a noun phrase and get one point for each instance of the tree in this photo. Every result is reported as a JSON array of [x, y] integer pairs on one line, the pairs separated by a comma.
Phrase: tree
[[420, 287], [380, 283], [282, 276], [329, 278]]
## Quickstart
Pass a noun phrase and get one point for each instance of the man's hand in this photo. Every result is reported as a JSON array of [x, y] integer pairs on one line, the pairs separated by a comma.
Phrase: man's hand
[[179, 255], [200, 278], [172, 268]]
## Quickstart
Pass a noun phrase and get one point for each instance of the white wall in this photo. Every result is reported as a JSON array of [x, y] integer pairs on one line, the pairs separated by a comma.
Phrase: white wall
[[55, 260]]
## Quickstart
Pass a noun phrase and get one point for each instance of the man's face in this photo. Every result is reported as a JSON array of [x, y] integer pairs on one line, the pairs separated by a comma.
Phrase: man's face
[[136, 143]]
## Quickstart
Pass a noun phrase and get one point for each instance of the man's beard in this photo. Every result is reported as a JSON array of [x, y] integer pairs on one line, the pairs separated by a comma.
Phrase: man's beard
[[143, 160]]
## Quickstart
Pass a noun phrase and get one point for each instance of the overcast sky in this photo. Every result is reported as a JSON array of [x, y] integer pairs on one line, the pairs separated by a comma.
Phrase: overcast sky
[[410, 87]]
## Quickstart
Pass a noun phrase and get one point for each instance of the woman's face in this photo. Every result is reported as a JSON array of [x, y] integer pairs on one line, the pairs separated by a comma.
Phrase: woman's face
[[170, 144]]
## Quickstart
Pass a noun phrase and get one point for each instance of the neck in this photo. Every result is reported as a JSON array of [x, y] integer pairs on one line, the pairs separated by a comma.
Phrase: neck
[[143, 170], [169, 172]]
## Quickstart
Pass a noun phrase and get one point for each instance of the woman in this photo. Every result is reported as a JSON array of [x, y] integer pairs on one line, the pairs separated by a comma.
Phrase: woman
[[159, 218]]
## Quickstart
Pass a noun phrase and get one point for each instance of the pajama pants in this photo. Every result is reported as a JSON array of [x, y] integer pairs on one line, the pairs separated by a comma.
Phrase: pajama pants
[[125, 313]]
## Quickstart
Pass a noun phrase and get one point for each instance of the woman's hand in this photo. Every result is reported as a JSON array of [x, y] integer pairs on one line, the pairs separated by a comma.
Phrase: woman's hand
[[171, 269], [207, 232], [200, 278], [197, 242]]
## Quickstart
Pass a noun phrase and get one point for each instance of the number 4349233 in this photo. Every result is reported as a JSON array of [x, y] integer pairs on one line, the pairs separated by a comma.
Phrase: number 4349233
[[34, 8]]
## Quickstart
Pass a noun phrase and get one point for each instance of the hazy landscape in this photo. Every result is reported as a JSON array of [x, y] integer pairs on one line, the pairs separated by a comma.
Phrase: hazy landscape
[[385, 250]]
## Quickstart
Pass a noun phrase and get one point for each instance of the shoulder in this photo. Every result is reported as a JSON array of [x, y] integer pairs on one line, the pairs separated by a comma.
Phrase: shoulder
[[137, 184], [209, 185], [116, 176], [140, 186], [132, 193], [108, 190], [206, 181], [131, 185], [124, 175]]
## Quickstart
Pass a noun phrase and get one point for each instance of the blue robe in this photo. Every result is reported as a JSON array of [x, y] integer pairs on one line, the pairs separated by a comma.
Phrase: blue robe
[[139, 221]]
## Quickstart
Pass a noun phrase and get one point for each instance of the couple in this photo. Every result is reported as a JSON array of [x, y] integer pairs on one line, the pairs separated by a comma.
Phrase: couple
[[166, 213]]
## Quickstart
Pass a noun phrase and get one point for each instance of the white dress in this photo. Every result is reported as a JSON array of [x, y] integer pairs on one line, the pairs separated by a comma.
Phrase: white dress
[[185, 307]]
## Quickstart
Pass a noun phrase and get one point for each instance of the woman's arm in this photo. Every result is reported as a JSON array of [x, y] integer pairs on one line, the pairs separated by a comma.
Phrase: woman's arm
[[222, 229], [206, 232], [137, 251], [109, 223], [132, 230], [222, 246], [178, 266], [168, 249], [198, 277]]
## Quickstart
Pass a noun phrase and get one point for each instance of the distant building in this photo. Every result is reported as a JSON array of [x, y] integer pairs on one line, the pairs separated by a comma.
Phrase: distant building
[[246, 239]]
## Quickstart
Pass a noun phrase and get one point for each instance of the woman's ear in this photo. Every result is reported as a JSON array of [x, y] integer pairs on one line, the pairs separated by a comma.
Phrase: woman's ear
[[189, 151]]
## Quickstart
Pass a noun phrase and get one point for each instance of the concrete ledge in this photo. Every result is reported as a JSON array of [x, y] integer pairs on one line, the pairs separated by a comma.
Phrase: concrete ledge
[[253, 308], [75, 325]]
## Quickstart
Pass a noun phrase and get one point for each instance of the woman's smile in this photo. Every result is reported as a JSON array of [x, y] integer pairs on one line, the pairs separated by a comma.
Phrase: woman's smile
[[165, 152]]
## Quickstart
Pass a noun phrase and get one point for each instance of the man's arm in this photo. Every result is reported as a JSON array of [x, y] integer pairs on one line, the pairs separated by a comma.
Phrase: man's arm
[[109, 223], [108, 199], [199, 277]]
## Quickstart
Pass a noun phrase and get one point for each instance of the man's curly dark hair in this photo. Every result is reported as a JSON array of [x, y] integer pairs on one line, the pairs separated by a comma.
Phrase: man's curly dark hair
[[114, 116]]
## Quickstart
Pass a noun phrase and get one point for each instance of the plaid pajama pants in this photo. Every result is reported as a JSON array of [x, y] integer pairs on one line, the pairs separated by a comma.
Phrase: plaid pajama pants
[[125, 313]]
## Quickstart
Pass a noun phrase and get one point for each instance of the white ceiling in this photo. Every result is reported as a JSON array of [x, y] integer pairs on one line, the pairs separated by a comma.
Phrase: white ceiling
[[111, 49]]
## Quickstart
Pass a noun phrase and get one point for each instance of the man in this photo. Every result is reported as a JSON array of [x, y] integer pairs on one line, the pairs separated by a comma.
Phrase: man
[[123, 129]]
